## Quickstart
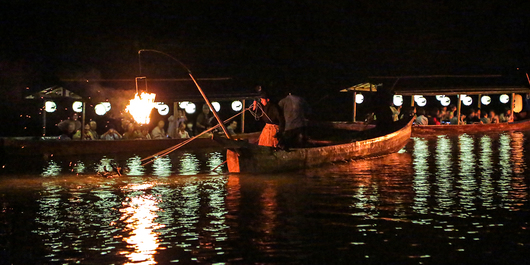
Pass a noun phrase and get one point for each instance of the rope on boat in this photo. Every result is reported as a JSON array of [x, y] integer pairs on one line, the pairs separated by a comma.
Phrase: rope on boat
[[179, 145]]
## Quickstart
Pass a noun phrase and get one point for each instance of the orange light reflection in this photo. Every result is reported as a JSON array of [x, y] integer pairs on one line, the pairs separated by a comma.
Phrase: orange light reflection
[[139, 213]]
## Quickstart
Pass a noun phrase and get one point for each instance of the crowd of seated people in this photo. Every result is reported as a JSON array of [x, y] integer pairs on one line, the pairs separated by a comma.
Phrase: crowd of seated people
[[449, 115], [177, 127]]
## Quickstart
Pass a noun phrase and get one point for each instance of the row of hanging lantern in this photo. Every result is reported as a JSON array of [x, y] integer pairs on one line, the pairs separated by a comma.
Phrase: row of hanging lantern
[[444, 100], [163, 109], [101, 108], [190, 107]]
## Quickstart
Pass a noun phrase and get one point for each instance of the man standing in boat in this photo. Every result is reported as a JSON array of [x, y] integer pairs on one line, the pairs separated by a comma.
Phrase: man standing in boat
[[294, 110], [384, 120], [271, 114]]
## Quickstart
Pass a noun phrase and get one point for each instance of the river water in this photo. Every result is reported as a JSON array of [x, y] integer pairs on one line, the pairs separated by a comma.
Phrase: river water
[[461, 199]]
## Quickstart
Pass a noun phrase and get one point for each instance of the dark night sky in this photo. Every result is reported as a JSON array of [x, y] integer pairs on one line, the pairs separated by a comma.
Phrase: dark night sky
[[317, 45], [328, 39]]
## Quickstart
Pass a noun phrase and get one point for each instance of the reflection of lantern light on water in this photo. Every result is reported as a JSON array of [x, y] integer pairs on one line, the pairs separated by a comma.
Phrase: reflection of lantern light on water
[[504, 98], [359, 98], [237, 105], [216, 106], [486, 100], [190, 108], [397, 100]]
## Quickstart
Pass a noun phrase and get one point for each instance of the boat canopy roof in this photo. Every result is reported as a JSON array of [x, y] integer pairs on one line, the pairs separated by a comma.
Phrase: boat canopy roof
[[453, 84], [362, 87], [166, 89]]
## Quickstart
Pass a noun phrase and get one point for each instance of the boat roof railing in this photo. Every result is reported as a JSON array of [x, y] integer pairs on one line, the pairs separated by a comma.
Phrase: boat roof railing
[[431, 85]]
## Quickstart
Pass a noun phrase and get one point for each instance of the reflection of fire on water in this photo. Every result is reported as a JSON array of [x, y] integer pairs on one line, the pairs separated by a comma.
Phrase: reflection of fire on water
[[139, 215], [140, 107]]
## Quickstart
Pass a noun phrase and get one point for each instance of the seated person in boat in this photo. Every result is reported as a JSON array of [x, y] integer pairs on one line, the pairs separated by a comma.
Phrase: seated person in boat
[[485, 118], [507, 116], [158, 132], [204, 120], [494, 118], [231, 128], [131, 133], [88, 135], [444, 113], [434, 117], [421, 119], [273, 118], [294, 110], [93, 127], [182, 133], [143, 133], [111, 134], [472, 117], [396, 111]]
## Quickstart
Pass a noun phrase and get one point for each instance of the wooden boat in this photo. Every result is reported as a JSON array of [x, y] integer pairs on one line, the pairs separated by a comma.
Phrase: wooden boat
[[31, 147], [419, 130], [454, 89], [250, 158]]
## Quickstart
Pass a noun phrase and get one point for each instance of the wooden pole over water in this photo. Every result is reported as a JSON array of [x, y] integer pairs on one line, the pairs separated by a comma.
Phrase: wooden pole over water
[[198, 87], [459, 108]]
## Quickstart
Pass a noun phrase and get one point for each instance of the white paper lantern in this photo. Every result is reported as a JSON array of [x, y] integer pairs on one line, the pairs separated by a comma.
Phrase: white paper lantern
[[237, 105], [163, 109], [77, 106], [398, 100], [359, 98], [216, 106], [504, 98], [50, 106], [190, 108], [467, 101], [485, 100], [421, 102], [106, 105], [445, 101], [183, 104], [100, 109]]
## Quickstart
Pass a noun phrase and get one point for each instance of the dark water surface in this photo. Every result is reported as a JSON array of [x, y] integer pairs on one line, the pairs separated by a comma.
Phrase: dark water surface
[[441, 200]]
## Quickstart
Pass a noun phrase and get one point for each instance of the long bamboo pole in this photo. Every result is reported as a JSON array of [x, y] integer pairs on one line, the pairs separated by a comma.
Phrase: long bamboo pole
[[459, 108], [198, 87], [179, 145]]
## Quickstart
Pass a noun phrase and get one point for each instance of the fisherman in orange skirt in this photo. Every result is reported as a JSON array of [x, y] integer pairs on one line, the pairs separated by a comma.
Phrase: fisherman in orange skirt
[[273, 118]]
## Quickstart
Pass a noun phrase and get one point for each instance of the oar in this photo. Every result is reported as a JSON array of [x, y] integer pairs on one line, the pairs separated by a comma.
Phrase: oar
[[179, 145]]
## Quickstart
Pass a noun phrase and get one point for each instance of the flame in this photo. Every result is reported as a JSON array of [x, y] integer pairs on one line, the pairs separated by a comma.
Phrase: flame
[[140, 107]]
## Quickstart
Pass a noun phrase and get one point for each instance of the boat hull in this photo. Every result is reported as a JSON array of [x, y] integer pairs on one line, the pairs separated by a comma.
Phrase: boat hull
[[261, 159], [419, 130], [28, 147]]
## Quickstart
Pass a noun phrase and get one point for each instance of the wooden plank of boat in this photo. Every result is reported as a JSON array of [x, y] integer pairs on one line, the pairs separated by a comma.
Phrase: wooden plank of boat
[[29, 147], [249, 158], [418, 130]]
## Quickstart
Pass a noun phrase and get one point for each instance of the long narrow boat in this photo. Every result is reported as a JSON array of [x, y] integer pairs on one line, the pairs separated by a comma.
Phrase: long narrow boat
[[486, 92], [22, 146], [244, 157], [523, 125]]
